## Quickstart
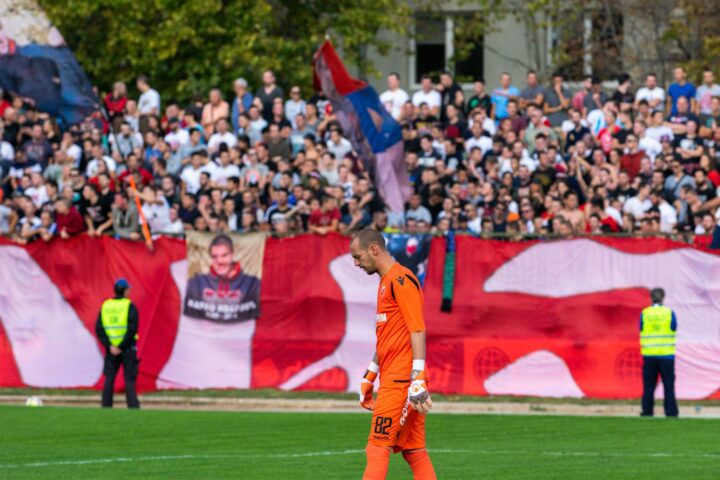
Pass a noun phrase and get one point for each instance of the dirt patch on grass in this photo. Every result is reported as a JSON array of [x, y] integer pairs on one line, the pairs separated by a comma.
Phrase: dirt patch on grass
[[181, 402]]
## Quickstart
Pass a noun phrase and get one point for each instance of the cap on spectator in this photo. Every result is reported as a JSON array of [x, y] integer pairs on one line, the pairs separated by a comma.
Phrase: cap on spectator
[[121, 284], [315, 175], [452, 131]]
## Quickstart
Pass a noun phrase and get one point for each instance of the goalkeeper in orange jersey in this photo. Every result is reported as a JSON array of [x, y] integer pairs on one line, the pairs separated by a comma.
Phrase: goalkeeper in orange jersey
[[398, 421]]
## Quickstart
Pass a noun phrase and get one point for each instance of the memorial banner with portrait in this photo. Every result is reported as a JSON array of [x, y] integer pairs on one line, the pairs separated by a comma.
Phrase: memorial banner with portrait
[[220, 304], [223, 277]]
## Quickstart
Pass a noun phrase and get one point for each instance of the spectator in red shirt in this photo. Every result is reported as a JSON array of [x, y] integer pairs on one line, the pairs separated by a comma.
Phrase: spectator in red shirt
[[607, 223], [4, 104], [68, 220], [630, 162], [608, 134], [133, 167], [326, 218], [116, 100]]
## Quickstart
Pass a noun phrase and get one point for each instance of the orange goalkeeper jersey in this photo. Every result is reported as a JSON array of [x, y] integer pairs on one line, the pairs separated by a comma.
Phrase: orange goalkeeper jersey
[[399, 313]]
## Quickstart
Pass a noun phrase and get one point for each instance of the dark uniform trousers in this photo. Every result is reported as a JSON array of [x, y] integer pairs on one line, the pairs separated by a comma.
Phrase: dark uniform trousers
[[128, 359], [665, 367]]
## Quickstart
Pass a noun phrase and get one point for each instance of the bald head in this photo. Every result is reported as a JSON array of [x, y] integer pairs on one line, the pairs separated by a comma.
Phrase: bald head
[[367, 237], [368, 251]]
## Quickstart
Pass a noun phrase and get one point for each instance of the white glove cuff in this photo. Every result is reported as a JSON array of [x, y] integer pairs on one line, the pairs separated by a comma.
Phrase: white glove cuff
[[374, 367], [418, 365]]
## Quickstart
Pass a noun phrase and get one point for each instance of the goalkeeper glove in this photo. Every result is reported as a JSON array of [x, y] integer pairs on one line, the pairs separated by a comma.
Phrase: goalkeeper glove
[[418, 392], [367, 385]]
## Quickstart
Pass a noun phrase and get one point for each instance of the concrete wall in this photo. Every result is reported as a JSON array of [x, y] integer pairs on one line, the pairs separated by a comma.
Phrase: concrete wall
[[505, 50]]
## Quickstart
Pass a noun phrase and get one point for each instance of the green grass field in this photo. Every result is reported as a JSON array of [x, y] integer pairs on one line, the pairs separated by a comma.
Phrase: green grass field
[[77, 443]]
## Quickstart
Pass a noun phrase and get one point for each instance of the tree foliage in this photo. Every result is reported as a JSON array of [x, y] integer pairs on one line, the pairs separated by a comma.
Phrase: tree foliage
[[193, 45]]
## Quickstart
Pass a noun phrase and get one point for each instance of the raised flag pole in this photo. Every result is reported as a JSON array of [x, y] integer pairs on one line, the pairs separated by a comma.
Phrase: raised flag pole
[[145, 228]]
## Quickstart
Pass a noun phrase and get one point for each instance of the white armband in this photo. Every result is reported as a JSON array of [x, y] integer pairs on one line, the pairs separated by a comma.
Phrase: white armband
[[418, 365]]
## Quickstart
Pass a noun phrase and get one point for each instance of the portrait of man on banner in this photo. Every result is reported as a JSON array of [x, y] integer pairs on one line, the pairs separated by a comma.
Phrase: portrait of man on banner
[[219, 283], [224, 293]]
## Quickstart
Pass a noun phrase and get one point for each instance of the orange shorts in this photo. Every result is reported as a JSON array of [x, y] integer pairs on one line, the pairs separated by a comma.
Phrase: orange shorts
[[394, 422]]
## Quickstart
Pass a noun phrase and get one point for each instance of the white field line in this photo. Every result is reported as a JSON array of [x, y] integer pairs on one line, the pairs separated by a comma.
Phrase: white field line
[[94, 461], [157, 458]]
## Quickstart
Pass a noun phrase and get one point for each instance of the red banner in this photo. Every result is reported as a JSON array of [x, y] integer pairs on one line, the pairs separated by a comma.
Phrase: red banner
[[529, 318]]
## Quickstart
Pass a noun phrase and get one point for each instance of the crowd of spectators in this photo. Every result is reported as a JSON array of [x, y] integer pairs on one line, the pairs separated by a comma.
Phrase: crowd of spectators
[[537, 159]]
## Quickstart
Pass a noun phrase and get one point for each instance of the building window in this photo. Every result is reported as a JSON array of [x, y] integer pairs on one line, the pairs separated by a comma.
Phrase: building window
[[470, 68], [430, 46], [433, 49]]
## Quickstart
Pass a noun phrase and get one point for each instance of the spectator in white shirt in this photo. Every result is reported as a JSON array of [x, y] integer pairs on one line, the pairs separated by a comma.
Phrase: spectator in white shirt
[[125, 141], [668, 215], [639, 204], [225, 170], [257, 125], [706, 92], [651, 146], [478, 139], [221, 135], [176, 137], [416, 211], [37, 191], [7, 152], [427, 94], [654, 95], [487, 123], [155, 209], [176, 225], [97, 157], [132, 115], [659, 130], [294, 106], [190, 175], [394, 97], [337, 144], [71, 149], [149, 101]]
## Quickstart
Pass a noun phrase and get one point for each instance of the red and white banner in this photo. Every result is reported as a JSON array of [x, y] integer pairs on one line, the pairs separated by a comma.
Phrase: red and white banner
[[529, 318]]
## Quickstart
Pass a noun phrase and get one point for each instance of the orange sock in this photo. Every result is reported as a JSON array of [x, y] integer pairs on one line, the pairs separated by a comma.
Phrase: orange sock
[[420, 464], [378, 460]]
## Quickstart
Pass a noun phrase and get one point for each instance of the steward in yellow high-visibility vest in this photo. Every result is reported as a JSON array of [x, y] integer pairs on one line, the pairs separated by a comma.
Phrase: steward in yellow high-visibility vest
[[116, 328], [658, 332]]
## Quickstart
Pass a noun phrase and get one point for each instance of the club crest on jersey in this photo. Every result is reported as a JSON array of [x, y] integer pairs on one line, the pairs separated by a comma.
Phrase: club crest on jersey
[[381, 318], [382, 290]]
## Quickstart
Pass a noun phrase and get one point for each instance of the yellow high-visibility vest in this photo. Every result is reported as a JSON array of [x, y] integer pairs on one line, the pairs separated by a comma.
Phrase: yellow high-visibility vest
[[114, 317], [656, 337]]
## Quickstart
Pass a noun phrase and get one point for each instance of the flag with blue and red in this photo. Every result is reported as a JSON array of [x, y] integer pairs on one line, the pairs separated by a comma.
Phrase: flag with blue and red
[[375, 135], [37, 66]]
